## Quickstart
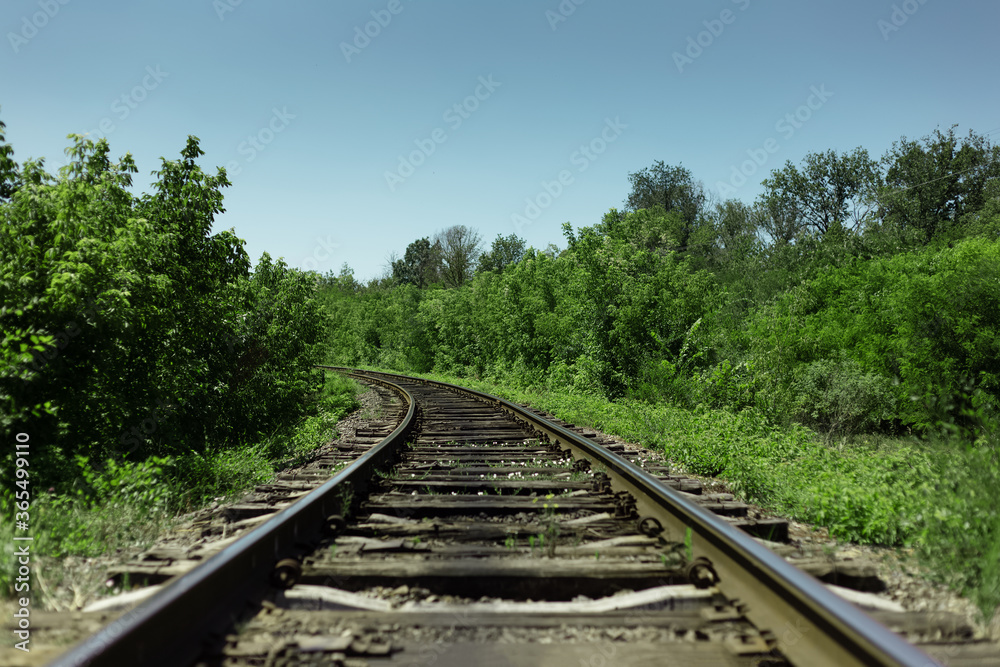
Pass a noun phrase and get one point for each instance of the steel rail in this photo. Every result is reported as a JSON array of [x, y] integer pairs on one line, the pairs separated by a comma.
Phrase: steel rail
[[808, 623], [195, 610]]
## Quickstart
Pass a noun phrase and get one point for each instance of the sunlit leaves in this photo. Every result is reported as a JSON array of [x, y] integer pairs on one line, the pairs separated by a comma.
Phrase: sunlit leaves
[[132, 302]]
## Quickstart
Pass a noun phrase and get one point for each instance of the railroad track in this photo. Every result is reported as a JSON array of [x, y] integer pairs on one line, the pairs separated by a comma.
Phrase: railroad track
[[495, 538]]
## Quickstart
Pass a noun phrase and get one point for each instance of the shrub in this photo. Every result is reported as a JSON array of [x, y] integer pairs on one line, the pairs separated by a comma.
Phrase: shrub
[[839, 397]]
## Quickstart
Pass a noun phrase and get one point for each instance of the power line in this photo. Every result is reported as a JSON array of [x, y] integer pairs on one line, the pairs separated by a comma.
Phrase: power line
[[958, 173], [940, 178]]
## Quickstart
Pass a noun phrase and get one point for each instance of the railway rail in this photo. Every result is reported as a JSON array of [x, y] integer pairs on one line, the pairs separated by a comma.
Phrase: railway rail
[[478, 533]]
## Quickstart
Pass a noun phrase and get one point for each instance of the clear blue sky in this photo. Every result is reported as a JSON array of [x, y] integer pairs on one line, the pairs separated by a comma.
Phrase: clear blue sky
[[330, 121]]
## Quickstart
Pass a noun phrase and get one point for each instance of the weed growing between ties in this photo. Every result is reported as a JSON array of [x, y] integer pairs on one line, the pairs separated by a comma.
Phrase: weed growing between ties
[[548, 537], [936, 495], [121, 506]]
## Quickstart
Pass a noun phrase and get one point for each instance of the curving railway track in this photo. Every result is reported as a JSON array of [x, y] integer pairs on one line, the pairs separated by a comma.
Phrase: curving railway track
[[478, 533]]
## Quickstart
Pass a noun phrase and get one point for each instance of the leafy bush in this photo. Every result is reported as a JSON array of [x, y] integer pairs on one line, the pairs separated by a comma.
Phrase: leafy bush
[[124, 505], [839, 396], [894, 326], [560, 375], [727, 386], [113, 505], [130, 329], [142, 485]]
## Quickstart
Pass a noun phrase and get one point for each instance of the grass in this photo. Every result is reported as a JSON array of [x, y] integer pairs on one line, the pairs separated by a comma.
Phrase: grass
[[935, 495], [124, 506]]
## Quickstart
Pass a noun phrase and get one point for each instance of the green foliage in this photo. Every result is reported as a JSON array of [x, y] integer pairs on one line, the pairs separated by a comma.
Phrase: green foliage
[[640, 300], [278, 337], [123, 505], [895, 326], [503, 253], [18, 348], [129, 325], [9, 176], [830, 191], [213, 473], [838, 396], [960, 523], [140, 352], [109, 507], [671, 188], [142, 485], [822, 303], [420, 266], [931, 186]]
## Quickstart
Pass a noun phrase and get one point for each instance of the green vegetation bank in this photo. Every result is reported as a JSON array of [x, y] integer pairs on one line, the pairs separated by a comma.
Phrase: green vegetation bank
[[832, 349], [147, 367]]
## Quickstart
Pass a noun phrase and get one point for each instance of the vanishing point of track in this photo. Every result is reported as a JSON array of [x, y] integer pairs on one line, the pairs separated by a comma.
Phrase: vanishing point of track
[[515, 525]]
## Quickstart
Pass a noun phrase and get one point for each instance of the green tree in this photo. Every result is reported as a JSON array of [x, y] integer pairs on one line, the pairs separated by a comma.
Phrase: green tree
[[671, 187], [931, 185], [639, 301], [829, 190], [735, 231], [889, 328], [503, 253], [344, 280], [278, 340], [778, 219], [184, 348], [71, 258], [129, 328], [8, 167], [460, 248], [421, 265]]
